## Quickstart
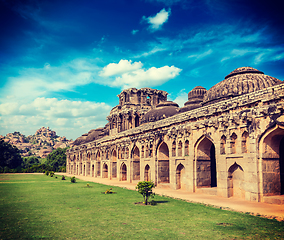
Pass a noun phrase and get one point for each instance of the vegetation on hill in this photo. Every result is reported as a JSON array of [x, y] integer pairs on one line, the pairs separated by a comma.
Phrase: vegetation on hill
[[11, 160], [42, 143]]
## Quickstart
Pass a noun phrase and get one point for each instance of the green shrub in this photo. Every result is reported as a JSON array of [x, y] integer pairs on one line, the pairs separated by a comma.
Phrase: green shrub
[[46, 173], [63, 177], [145, 188], [51, 174], [73, 179]]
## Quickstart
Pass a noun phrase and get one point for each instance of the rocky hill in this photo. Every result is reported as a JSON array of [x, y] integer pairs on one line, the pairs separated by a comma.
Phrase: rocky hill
[[43, 142]]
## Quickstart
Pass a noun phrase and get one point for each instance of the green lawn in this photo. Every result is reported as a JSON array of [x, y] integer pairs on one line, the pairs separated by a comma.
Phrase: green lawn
[[42, 207]]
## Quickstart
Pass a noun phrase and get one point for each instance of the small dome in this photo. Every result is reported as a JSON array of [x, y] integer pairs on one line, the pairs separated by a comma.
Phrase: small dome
[[240, 81], [163, 110], [90, 136], [195, 98]]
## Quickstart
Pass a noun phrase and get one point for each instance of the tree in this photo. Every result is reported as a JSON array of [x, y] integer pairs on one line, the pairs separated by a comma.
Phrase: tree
[[30, 161], [9, 156], [145, 188], [57, 159]]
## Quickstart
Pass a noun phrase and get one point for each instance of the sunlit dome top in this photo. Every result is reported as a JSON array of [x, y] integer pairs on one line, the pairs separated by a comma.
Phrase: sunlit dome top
[[240, 81]]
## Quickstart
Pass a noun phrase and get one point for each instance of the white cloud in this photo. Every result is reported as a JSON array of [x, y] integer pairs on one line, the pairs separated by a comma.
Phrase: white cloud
[[38, 82], [63, 115], [146, 78], [123, 66], [158, 20], [181, 98], [126, 74]]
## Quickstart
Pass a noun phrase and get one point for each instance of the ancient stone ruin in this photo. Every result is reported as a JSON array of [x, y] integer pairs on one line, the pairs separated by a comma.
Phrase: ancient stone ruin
[[227, 141]]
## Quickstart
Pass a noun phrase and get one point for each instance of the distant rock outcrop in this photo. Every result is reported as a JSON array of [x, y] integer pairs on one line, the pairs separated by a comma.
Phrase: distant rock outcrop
[[43, 142]]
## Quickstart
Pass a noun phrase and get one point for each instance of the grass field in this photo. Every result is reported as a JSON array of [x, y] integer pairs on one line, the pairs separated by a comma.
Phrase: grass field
[[42, 207]]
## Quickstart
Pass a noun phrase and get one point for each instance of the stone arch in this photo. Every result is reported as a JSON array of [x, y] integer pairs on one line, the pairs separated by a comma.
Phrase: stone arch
[[98, 164], [114, 164], [245, 136], [179, 149], [174, 148], [105, 171], [123, 172], [147, 173], [186, 148], [233, 139], [180, 177], [163, 163], [93, 170], [272, 165], [136, 163], [137, 121], [206, 174], [223, 145], [236, 181]]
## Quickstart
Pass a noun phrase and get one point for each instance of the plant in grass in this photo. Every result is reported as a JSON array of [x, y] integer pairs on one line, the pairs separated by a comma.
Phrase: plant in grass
[[46, 173], [63, 177], [73, 179], [109, 191], [145, 188], [51, 174], [88, 184]]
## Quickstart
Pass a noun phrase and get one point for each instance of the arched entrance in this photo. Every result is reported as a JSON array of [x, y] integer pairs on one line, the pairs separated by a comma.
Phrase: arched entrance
[[136, 163], [272, 149], [206, 174], [163, 163], [98, 164], [114, 164], [105, 171], [236, 181], [123, 172], [180, 176], [147, 173]]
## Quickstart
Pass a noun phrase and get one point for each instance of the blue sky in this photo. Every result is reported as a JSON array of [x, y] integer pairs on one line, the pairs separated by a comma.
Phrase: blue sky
[[63, 63]]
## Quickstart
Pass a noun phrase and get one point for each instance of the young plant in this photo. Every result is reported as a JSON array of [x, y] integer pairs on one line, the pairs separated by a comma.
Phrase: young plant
[[145, 188], [51, 174], [73, 179], [63, 177]]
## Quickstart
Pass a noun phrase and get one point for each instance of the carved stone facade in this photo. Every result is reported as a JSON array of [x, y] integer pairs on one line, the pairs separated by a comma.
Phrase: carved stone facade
[[227, 141]]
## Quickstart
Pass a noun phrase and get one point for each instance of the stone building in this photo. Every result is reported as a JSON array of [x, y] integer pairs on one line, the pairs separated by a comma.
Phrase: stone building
[[227, 141]]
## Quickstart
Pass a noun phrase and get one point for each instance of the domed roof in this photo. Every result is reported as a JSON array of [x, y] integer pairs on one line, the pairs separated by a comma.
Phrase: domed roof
[[195, 98], [163, 110], [240, 81], [90, 136]]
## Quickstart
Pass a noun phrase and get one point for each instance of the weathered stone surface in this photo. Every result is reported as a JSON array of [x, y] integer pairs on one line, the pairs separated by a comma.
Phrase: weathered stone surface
[[230, 143]]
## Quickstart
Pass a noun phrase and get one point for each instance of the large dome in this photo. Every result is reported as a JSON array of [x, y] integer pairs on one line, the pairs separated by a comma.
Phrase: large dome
[[163, 110], [240, 81]]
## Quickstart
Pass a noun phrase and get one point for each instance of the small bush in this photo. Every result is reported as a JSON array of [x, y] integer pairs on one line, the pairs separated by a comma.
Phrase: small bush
[[145, 188], [51, 174], [63, 178], [73, 179], [46, 173], [88, 184]]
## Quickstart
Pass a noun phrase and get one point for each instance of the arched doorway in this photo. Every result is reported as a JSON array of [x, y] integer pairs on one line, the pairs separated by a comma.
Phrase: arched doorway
[[236, 181], [136, 163], [273, 162], [93, 170], [147, 173], [180, 176], [123, 172], [105, 171], [163, 163], [137, 121], [98, 164], [114, 164], [206, 174]]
